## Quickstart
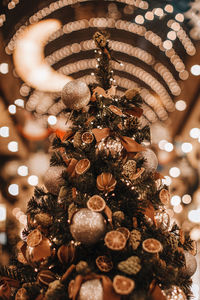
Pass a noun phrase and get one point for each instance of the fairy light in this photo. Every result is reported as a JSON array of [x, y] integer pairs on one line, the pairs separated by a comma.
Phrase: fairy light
[[186, 147], [139, 19], [175, 200], [178, 208], [186, 199], [13, 189], [167, 180], [194, 215], [12, 109], [195, 133], [180, 105], [2, 212], [19, 102], [52, 120], [13, 146], [169, 147], [162, 144], [33, 180], [179, 17], [22, 170], [174, 172], [4, 68], [171, 35], [169, 8], [4, 131], [195, 70]]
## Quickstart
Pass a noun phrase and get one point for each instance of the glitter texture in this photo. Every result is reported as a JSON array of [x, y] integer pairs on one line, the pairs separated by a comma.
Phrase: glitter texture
[[53, 180], [75, 94], [151, 161], [87, 226], [91, 290], [174, 293]]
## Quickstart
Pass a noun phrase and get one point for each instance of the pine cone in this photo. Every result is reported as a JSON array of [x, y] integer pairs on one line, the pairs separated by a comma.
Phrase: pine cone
[[118, 217], [82, 267], [77, 139], [130, 266], [135, 238], [129, 169], [43, 219], [55, 290]]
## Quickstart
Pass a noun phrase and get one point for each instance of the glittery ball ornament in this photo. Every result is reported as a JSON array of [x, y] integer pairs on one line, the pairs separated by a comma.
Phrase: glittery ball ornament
[[150, 160], [53, 179], [91, 290], [87, 226], [190, 264], [174, 293], [110, 146], [75, 94]]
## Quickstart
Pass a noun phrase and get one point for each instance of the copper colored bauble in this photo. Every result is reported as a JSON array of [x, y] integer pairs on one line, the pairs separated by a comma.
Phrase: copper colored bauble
[[91, 290], [53, 179], [75, 94], [87, 226], [190, 264], [151, 162], [39, 252], [112, 146], [66, 253]]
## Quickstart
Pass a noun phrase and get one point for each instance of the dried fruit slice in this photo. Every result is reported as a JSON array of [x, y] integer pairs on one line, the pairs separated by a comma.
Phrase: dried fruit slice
[[152, 246], [21, 294], [82, 166], [19, 245], [96, 203], [106, 182], [124, 231], [21, 258], [115, 240], [123, 285], [87, 137], [164, 196], [34, 238], [116, 110], [104, 263]]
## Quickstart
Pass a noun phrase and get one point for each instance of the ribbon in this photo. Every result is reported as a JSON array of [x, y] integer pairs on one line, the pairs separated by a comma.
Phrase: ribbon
[[128, 143], [108, 291]]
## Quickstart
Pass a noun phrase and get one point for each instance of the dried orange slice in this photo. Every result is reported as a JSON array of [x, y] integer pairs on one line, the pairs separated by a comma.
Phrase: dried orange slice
[[96, 203], [104, 263], [34, 238], [115, 240], [87, 137], [116, 110], [164, 196], [124, 231], [106, 182], [21, 258], [21, 294], [152, 246], [82, 166], [123, 285]]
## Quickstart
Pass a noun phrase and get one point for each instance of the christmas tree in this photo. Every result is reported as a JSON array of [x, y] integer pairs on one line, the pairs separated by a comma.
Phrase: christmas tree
[[99, 230]]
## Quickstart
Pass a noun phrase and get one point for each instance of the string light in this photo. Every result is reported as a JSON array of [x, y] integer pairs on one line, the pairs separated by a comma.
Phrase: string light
[[186, 199], [195, 133], [4, 68], [13, 189], [174, 172], [13, 146], [175, 200], [19, 102], [22, 170], [180, 105], [33, 180], [52, 120], [195, 70], [186, 147], [4, 131], [12, 109]]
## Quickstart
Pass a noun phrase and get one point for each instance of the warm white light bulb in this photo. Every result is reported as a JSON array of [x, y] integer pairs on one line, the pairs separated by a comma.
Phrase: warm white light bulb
[[180, 105], [195, 70], [167, 180], [33, 180], [19, 102], [13, 189], [194, 215], [195, 133], [4, 131], [22, 170], [12, 109], [169, 147], [174, 172], [175, 200], [2, 212], [52, 120], [178, 208], [186, 199], [13, 146], [162, 144], [4, 68], [186, 147]]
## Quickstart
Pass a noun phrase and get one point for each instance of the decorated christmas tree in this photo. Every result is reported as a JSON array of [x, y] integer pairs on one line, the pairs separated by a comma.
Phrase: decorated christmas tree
[[99, 230]]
